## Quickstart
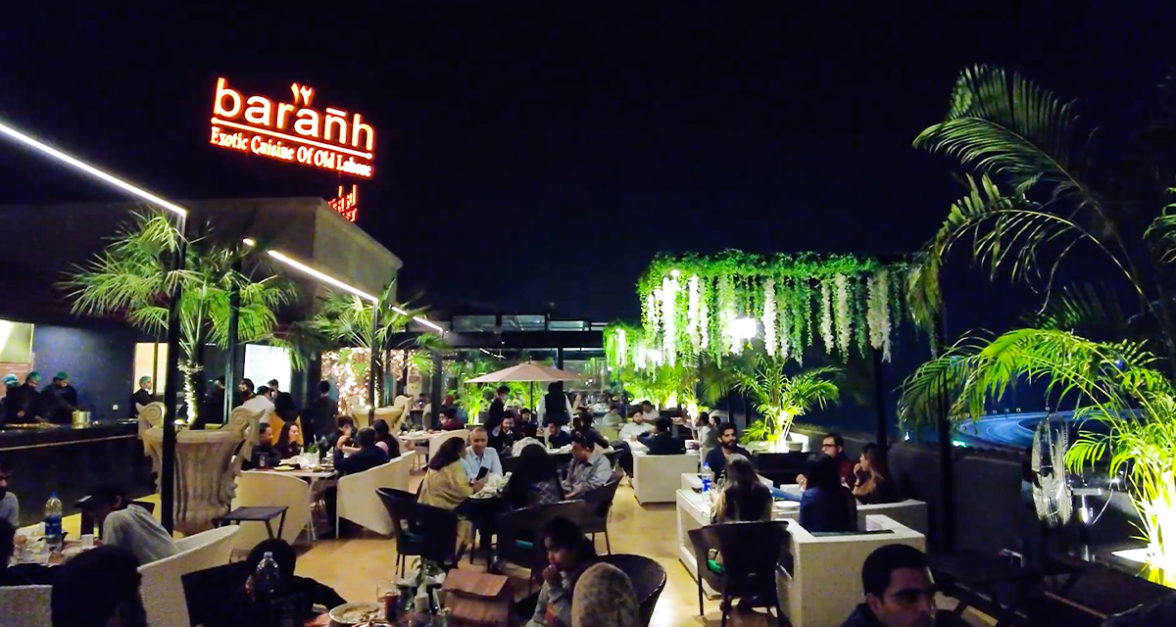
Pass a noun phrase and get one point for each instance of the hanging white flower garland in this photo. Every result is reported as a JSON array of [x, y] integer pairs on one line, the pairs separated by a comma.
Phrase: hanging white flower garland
[[827, 318], [842, 318], [878, 312], [769, 316], [694, 322], [669, 294]]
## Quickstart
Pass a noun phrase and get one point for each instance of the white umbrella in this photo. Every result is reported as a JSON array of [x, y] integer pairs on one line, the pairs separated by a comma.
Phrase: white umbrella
[[529, 371]]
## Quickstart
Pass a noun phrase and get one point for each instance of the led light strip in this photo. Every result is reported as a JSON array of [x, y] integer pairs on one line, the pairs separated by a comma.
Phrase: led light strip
[[91, 170], [330, 280]]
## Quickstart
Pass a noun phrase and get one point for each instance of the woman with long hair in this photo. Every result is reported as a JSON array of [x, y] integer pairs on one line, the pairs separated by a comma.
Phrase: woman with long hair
[[826, 504], [384, 438], [872, 479], [447, 486], [743, 497], [288, 445], [535, 480]]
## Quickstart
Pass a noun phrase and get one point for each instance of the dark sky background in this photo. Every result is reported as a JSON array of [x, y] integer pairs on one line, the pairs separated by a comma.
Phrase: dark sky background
[[542, 153]]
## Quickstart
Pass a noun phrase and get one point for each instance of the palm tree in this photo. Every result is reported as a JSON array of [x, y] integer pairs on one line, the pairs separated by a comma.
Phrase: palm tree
[[782, 397], [1114, 383], [134, 277], [1035, 197]]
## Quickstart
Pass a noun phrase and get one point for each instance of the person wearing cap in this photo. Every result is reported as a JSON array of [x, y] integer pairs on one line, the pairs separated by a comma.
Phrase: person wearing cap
[[127, 525], [142, 397], [59, 399], [23, 402], [11, 384]]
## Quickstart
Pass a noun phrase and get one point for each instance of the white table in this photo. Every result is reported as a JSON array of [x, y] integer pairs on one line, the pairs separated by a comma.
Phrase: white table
[[693, 481]]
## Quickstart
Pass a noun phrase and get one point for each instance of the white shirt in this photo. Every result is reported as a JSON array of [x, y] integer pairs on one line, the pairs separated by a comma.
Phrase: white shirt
[[259, 404], [634, 429], [651, 415], [517, 447], [473, 464], [10, 510], [136, 530]]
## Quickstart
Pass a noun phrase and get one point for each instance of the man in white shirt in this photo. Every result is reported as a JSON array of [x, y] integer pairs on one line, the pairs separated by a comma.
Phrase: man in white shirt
[[257, 403], [9, 505], [478, 455], [128, 526], [649, 413], [637, 427], [589, 470]]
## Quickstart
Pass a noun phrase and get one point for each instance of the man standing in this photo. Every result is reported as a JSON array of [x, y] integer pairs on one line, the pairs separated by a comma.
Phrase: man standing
[[258, 403], [9, 505], [126, 525], [728, 446], [59, 399], [497, 410], [8, 403], [588, 471], [480, 455], [142, 397], [899, 591], [24, 402], [321, 413]]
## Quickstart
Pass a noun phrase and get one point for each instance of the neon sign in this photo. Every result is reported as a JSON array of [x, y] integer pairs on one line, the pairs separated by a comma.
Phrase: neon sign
[[292, 132], [345, 203]]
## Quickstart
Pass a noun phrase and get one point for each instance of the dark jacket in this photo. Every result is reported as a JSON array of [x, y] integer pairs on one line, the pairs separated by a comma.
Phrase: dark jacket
[[319, 417], [54, 406], [260, 452], [824, 510], [20, 398], [27, 575], [718, 462], [563, 438], [595, 436], [495, 414], [361, 460], [142, 397], [503, 441], [662, 443]]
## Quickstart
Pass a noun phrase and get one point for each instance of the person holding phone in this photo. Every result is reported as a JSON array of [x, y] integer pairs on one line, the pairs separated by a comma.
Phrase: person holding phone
[[479, 459]]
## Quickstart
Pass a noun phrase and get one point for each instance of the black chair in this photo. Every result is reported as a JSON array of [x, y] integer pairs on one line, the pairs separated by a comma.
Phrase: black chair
[[437, 529], [743, 573], [408, 544], [508, 464], [648, 579], [519, 533], [600, 503]]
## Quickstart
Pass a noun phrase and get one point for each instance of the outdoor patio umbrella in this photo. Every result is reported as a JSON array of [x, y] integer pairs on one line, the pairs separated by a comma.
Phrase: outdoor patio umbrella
[[530, 372]]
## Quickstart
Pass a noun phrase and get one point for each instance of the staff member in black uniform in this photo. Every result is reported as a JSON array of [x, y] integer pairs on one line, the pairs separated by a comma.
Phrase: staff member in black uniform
[[142, 397]]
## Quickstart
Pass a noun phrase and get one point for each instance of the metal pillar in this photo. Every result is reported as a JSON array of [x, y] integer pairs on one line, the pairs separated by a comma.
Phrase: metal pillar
[[231, 345], [435, 383], [167, 485], [880, 432], [947, 491], [374, 349]]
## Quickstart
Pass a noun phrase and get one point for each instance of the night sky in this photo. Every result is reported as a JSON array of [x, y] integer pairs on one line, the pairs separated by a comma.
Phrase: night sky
[[535, 154]]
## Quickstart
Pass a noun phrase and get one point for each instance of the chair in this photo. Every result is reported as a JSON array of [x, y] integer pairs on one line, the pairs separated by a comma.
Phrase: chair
[[26, 606], [743, 573], [356, 498], [255, 489], [600, 503], [436, 441], [407, 543], [648, 579], [162, 588], [437, 530], [519, 531], [656, 478]]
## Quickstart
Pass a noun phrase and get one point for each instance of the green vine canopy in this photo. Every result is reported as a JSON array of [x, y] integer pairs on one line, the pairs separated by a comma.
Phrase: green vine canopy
[[695, 305]]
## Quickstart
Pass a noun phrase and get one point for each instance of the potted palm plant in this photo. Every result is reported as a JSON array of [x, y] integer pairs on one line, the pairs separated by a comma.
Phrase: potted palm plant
[[782, 397]]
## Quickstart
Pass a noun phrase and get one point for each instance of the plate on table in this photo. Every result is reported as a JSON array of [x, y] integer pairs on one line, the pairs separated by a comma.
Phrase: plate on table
[[354, 613], [285, 468]]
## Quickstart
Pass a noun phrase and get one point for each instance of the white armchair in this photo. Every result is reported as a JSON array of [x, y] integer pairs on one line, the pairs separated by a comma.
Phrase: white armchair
[[436, 441], [357, 500], [909, 513], [827, 570], [257, 489], [25, 606], [656, 478], [162, 589]]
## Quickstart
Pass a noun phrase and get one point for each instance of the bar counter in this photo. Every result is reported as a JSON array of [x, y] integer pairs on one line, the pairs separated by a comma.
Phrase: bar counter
[[68, 460]]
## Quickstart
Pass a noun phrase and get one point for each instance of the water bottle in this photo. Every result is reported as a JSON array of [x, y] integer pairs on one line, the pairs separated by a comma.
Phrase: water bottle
[[707, 477], [267, 578], [53, 535]]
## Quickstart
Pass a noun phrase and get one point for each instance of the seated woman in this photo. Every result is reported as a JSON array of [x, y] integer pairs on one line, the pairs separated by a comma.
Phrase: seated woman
[[743, 498], [384, 438], [872, 483], [826, 504], [447, 486], [289, 441], [535, 480], [569, 554]]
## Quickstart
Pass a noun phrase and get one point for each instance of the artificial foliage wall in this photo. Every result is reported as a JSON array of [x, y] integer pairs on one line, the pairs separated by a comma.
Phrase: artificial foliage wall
[[694, 305]]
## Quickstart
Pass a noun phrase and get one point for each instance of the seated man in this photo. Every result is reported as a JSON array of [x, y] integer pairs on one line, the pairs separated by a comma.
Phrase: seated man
[[20, 574], [589, 470], [368, 456], [479, 455], [127, 525], [661, 441], [9, 505], [450, 421], [264, 455], [583, 424], [716, 459], [99, 587], [636, 427], [899, 591], [556, 437]]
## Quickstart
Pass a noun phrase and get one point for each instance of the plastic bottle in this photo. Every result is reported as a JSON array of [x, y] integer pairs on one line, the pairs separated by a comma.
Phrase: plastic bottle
[[53, 535], [267, 578], [708, 477]]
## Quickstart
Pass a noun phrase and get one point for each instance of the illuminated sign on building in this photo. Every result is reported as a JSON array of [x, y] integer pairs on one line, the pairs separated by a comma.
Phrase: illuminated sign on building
[[332, 139], [346, 203]]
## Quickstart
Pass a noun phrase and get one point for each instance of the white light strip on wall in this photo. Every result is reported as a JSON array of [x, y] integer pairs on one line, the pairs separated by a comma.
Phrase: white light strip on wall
[[91, 170], [330, 280]]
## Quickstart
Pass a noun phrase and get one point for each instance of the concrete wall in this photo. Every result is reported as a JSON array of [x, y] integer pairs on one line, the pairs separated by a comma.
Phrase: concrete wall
[[100, 363]]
